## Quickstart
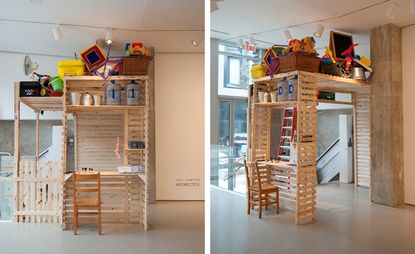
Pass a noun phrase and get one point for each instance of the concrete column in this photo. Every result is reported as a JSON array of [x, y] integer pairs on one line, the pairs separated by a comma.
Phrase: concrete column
[[387, 116]]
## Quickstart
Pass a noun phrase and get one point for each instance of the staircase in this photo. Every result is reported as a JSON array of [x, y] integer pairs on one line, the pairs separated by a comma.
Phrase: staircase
[[329, 163], [288, 130]]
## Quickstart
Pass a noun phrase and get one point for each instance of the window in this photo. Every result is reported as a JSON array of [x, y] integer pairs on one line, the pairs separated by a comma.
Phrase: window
[[227, 167], [234, 69]]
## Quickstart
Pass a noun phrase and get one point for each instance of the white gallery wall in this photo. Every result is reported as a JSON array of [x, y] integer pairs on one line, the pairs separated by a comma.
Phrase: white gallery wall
[[179, 90], [408, 65], [11, 70]]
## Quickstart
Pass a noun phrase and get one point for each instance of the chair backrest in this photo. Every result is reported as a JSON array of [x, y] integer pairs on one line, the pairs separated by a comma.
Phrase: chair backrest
[[261, 174], [256, 174], [86, 185]]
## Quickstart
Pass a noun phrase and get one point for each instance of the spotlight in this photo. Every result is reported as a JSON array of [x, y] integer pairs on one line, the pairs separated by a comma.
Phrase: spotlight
[[241, 43], [251, 41], [197, 40], [287, 35], [108, 36], [319, 30], [393, 10], [214, 7], [57, 33]]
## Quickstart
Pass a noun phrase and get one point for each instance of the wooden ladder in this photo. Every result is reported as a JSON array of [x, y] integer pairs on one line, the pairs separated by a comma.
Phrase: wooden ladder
[[288, 129]]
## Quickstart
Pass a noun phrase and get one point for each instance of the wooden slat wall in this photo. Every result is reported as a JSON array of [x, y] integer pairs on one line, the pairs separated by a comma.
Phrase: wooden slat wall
[[306, 149], [286, 180], [39, 192], [136, 132], [122, 197], [96, 138], [261, 128], [362, 138]]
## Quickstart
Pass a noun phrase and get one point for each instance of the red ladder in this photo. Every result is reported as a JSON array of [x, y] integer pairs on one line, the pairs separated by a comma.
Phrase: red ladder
[[288, 129]]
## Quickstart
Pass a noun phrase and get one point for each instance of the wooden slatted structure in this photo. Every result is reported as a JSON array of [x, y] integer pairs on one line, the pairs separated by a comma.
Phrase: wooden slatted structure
[[297, 183], [37, 184], [96, 131], [122, 199]]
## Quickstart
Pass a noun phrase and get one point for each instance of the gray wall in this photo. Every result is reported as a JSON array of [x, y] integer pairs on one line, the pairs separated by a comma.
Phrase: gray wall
[[28, 139], [328, 127]]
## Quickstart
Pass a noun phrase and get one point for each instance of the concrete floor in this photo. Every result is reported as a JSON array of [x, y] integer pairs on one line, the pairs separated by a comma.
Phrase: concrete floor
[[347, 222], [176, 227]]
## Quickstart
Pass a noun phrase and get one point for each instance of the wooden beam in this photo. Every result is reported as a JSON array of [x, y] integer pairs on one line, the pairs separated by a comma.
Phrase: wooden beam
[[16, 149]]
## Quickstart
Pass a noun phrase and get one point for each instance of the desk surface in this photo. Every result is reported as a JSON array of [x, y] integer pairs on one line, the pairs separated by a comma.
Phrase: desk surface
[[112, 173], [280, 164]]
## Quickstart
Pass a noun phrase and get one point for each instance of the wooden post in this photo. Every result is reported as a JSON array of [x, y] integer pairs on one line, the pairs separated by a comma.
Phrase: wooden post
[[387, 116], [16, 149]]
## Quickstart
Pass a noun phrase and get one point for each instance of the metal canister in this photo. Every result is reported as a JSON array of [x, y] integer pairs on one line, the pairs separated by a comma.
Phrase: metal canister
[[283, 90], [292, 88], [113, 93], [132, 93], [359, 73]]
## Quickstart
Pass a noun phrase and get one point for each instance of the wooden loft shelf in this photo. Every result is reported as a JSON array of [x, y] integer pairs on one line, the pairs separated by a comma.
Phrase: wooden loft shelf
[[134, 149], [325, 82], [289, 104], [98, 78], [278, 104], [43, 103], [81, 108]]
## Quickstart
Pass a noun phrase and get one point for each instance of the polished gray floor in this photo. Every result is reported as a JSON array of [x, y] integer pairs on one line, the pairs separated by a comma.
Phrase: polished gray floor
[[176, 227], [347, 222]]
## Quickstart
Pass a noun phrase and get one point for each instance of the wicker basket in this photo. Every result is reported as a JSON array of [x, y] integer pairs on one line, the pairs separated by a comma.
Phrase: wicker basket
[[135, 65], [294, 62]]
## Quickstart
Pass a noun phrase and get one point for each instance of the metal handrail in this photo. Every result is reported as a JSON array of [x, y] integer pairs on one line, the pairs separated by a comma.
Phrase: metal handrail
[[328, 149]]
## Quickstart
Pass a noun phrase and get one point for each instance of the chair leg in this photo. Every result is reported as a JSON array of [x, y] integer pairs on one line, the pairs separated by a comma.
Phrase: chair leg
[[75, 220], [99, 222], [277, 199], [260, 205], [266, 201], [249, 202]]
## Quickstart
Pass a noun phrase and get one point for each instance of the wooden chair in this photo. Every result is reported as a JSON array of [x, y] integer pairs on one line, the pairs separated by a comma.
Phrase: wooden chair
[[259, 188], [87, 198]]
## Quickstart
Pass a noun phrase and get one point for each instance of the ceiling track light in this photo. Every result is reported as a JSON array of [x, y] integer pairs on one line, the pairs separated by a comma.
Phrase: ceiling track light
[[241, 43], [287, 35], [319, 30], [196, 41], [57, 33], [251, 41], [108, 36], [214, 7], [392, 10]]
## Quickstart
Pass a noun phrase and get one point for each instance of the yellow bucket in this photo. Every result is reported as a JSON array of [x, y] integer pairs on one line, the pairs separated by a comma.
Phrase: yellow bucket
[[71, 68], [258, 71]]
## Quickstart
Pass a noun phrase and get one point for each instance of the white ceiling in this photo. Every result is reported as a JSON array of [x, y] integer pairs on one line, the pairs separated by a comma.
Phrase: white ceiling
[[168, 26], [237, 18]]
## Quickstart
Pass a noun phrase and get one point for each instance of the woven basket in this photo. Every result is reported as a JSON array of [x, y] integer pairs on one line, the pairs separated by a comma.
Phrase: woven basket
[[135, 66], [299, 62]]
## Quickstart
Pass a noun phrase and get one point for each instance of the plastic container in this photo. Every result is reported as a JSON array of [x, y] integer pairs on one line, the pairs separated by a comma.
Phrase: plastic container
[[283, 90], [113, 93], [57, 84], [132, 93], [257, 71], [292, 89], [29, 88], [71, 68], [274, 96]]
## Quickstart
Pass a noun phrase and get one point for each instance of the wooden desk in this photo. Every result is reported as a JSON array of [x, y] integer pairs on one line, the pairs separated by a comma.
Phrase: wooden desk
[[123, 196], [283, 174]]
